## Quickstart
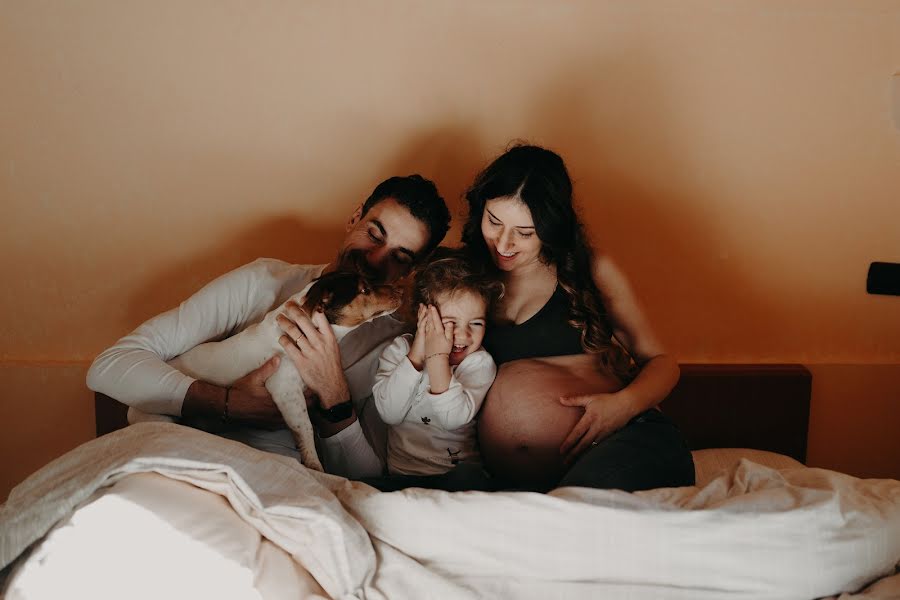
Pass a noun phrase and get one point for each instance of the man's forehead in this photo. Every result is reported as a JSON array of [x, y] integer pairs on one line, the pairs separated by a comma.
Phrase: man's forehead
[[400, 227]]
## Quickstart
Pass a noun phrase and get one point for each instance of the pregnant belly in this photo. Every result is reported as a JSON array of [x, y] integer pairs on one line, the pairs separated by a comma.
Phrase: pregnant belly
[[522, 424]]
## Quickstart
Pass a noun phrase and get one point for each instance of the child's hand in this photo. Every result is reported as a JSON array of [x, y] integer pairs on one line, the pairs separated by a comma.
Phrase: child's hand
[[417, 349], [438, 337]]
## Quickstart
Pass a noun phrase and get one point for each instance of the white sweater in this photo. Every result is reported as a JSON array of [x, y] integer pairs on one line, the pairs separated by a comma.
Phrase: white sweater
[[430, 433], [134, 370]]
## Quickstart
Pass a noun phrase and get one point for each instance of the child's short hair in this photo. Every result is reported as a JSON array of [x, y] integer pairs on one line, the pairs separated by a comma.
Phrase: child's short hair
[[451, 270]]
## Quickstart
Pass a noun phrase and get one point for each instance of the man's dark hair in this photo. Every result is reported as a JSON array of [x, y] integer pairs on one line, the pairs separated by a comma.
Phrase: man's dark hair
[[420, 197]]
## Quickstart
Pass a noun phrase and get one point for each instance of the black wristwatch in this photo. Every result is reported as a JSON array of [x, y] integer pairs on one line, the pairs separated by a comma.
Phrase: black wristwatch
[[336, 413]]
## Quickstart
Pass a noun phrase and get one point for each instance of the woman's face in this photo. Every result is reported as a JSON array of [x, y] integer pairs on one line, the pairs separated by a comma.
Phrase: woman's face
[[509, 233]]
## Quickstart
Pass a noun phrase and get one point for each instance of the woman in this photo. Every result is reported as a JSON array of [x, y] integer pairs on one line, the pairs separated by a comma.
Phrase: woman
[[574, 402]]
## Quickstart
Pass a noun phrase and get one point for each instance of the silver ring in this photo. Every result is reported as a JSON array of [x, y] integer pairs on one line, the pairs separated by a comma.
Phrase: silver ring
[[595, 443], [297, 341]]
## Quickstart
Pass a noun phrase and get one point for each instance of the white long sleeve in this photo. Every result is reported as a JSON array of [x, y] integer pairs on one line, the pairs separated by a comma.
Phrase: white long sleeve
[[349, 454], [469, 384], [429, 432], [134, 370], [396, 382]]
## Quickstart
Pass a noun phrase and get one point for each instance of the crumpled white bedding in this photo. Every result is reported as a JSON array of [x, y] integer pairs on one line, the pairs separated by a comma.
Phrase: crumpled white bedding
[[753, 532]]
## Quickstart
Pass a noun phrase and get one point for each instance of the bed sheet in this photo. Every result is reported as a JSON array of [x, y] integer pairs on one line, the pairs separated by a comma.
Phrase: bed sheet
[[752, 532]]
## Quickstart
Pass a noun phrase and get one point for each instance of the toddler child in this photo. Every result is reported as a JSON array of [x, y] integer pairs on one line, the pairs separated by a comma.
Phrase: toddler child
[[430, 386]]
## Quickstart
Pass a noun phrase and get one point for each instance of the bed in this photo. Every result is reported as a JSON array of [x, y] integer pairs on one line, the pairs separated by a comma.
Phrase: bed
[[160, 510]]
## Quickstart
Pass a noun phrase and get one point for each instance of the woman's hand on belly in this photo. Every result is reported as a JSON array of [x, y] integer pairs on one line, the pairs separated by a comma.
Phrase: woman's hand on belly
[[524, 423], [603, 415]]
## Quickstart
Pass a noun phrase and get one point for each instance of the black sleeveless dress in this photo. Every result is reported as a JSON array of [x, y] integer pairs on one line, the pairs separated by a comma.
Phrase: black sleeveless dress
[[649, 452], [547, 333]]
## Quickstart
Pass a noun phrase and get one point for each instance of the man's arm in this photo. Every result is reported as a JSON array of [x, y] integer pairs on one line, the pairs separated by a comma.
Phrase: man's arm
[[134, 370], [312, 347], [247, 400], [345, 449]]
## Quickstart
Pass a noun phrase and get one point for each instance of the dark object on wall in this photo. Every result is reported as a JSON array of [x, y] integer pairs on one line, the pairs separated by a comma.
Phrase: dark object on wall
[[883, 278], [765, 407]]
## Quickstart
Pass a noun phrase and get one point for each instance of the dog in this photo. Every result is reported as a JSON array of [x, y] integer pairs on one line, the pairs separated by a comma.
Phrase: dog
[[348, 300]]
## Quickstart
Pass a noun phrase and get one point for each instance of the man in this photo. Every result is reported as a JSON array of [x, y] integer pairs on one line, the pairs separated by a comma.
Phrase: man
[[400, 223]]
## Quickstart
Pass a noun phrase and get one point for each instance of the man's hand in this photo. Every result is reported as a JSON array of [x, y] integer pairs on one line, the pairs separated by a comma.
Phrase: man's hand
[[312, 347], [249, 402]]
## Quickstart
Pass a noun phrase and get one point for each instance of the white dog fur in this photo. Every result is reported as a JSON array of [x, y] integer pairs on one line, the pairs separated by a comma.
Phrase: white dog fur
[[222, 363]]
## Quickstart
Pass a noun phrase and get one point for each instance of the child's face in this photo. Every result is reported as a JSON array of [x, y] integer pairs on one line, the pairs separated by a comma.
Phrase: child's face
[[468, 313]]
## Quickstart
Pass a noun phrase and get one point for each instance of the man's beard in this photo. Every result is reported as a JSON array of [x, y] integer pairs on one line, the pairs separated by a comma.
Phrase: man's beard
[[353, 259]]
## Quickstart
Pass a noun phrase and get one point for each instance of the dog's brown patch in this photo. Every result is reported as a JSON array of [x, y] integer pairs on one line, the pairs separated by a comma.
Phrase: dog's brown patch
[[348, 299]]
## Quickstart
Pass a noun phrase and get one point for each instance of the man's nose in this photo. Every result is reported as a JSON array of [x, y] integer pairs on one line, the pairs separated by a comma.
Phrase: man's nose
[[376, 256], [378, 263]]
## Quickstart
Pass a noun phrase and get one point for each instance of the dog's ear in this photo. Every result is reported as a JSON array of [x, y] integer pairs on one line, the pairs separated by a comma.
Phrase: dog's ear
[[324, 300], [330, 293], [316, 297]]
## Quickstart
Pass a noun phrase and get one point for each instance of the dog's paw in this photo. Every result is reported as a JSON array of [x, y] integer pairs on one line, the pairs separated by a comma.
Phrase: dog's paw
[[311, 461]]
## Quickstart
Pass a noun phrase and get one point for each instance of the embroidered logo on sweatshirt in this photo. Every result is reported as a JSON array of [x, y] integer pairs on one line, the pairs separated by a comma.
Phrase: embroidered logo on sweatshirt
[[426, 420]]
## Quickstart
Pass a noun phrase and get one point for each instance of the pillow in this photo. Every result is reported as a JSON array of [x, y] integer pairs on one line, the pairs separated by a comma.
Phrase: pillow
[[710, 462]]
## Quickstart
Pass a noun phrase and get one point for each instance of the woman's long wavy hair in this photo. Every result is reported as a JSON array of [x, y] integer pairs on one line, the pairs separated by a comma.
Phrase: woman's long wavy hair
[[538, 178]]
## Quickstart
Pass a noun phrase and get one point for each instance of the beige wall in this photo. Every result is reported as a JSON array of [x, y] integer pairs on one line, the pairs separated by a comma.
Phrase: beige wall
[[738, 158]]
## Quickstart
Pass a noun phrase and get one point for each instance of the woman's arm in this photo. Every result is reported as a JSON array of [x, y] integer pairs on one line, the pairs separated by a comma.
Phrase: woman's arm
[[659, 372]]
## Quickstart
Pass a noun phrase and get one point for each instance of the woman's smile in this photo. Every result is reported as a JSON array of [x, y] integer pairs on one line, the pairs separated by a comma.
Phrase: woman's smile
[[508, 229]]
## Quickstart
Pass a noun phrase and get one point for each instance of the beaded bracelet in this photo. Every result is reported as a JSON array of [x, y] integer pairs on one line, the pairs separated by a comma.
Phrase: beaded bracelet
[[437, 354], [225, 409]]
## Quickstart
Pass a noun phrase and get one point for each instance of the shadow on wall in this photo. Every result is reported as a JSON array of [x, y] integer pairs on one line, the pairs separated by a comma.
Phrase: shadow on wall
[[445, 155], [450, 156], [651, 230], [285, 238], [621, 135], [628, 183]]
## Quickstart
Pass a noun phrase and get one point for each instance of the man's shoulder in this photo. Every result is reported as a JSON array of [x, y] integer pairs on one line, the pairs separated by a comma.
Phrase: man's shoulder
[[281, 278], [263, 284], [280, 269]]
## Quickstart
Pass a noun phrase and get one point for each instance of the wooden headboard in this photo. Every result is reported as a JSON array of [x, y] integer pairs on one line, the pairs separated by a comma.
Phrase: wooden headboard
[[765, 407]]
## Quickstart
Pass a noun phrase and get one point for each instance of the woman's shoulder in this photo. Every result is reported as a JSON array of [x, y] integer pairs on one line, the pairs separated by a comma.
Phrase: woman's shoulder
[[608, 276], [604, 266]]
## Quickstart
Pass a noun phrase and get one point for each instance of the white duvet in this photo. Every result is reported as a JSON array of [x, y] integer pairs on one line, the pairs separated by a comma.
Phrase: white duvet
[[267, 527]]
